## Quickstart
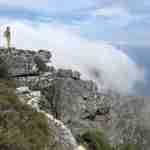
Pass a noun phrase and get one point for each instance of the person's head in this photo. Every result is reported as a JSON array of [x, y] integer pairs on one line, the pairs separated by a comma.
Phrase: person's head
[[8, 28]]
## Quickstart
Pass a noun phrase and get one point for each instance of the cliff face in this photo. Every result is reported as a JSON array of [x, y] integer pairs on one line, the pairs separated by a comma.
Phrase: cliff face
[[72, 106], [77, 103], [74, 101]]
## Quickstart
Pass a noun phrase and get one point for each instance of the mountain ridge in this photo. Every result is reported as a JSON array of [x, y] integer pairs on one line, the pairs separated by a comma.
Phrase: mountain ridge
[[77, 104]]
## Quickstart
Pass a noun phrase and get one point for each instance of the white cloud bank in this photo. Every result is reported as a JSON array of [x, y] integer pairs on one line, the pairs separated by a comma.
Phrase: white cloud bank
[[25, 3], [111, 11], [116, 69]]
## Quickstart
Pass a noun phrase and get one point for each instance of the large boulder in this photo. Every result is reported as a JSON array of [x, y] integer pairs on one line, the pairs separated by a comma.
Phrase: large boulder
[[45, 55]]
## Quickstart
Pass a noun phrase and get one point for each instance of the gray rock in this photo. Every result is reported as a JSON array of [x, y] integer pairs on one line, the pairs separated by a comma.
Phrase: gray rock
[[74, 101], [45, 55], [76, 75], [64, 73], [52, 69], [22, 61], [66, 98]]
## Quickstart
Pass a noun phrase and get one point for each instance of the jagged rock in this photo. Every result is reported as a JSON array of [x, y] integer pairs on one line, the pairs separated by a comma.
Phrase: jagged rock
[[22, 61], [42, 81], [76, 75], [63, 94], [77, 103], [45, 55], [62, 138], [64, 73], [22, 90], [68, 73], [52, 69], [66, 98]]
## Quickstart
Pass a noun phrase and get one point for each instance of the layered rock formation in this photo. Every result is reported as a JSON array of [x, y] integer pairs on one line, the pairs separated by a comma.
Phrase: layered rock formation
[[73, 105], [63, 138], [23, 61], [77, 103], [74, 101]]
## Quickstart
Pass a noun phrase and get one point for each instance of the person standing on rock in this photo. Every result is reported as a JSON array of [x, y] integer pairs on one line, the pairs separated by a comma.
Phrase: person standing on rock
[[7, 35]]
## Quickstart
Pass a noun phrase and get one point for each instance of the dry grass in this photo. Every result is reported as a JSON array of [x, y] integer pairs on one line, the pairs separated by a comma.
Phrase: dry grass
[[21, 127]]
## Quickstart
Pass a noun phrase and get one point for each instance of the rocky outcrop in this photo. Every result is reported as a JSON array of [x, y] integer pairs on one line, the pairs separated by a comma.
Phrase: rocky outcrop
[[23, 61], [63, 73], [72, 105], [63, 138], [21, 127], [70, 99], [77, 103]]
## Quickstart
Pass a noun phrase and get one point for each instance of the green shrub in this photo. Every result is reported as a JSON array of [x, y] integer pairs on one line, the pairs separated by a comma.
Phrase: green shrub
[[24, 131], [94, 140], [21, 127], [129, 146], [3, 69]]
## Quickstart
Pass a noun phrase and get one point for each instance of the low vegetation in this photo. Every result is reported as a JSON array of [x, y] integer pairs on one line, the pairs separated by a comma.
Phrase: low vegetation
[[129, 146], [21, 127], [96, 140], [3, 69]]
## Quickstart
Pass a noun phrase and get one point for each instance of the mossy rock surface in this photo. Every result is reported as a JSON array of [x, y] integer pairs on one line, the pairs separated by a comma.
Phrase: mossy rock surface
[[3, 69], [94, 140], [21, 127], [126, 146]]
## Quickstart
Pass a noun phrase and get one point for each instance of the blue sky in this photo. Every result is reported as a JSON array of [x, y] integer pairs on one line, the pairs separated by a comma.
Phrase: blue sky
[[128, 20]]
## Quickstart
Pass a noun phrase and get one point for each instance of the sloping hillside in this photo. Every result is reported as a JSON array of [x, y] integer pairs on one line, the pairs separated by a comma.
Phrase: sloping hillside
[[44, 108]]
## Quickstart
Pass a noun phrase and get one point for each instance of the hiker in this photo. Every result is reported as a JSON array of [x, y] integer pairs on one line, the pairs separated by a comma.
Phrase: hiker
[[7, 35]]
